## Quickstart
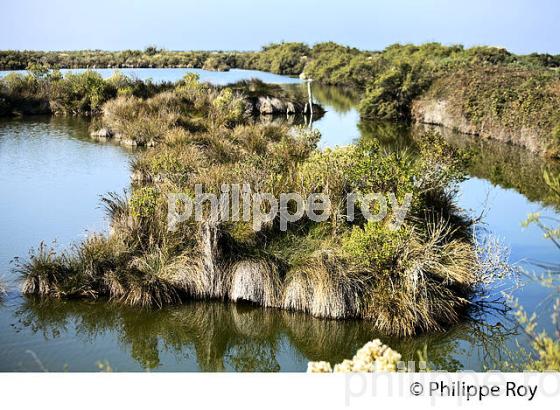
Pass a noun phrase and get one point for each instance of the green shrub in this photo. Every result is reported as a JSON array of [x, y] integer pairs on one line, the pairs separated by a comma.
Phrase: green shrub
[[143, 202], [228, 108], [390, 95], [283, 58], [374, 246], [80, 93]]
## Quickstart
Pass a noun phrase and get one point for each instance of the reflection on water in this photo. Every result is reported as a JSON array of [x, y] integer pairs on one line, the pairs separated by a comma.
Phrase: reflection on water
[[215, 336], [159, 75], [51, 176], [507, 166]]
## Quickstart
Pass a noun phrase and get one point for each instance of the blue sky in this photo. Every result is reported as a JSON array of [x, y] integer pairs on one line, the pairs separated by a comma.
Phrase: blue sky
[[521, 26]]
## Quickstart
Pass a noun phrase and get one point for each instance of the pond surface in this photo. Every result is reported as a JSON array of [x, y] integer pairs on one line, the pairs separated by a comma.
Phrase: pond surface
[[51, 177]]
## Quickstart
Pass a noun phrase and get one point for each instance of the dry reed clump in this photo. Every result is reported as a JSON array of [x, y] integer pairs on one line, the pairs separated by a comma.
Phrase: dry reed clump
[[209, 248], [118, 211], [190, 277], [141, 121], [374, 356], [149, 281], [44, 273], [146, 290], [176, 165], [255, 280], [256, 139], [430, 286], [324, 287], [100, 266]]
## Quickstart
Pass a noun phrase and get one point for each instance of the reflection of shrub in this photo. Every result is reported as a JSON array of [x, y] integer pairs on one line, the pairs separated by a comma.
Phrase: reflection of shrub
[[2, 288]]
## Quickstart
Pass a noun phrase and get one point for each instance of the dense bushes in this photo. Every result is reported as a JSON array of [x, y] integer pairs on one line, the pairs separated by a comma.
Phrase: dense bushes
[[282, 58], [79, 93], [389, 80], [43, 91], [511, 104], [390, 95], [333, 64], [149, 58]]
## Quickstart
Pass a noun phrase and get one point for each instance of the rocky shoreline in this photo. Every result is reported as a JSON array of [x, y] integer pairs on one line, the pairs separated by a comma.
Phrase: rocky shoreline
[[264, 109], [440, 112]]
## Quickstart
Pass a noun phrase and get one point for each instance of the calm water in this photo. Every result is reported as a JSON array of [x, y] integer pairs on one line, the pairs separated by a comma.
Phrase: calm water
[[51, 177]]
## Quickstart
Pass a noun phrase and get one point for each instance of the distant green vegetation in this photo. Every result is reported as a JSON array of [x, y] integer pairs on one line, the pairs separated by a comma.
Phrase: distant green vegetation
[[149, 58], [509, 103], [43, 92], [284, 58], [489, 84]]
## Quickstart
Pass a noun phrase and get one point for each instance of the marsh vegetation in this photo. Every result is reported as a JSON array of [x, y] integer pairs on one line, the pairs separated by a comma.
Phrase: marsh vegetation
[[417, 278], [485, 91], [132, 338], [425, 276]]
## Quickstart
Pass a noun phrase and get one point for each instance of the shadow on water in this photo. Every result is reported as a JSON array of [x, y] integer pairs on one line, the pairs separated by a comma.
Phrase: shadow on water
[[238, 337]]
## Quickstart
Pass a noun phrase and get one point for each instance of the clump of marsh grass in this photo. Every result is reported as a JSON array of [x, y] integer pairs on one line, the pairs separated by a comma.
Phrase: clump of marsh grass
[[118, 212], [325, 286], [417, 278], [256, 281], [149, 282], [142, 121], [44, 272], [99, 267], [430, 285], [174, 164], [190, 277]]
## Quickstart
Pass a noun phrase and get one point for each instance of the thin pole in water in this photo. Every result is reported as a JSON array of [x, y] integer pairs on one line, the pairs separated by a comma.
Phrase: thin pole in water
[[310, 95]]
